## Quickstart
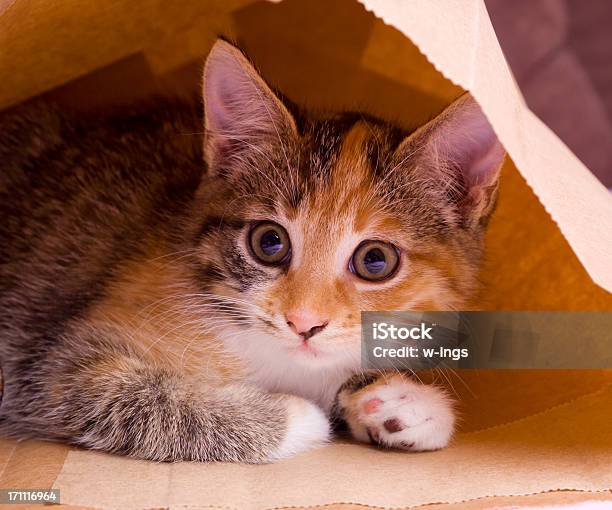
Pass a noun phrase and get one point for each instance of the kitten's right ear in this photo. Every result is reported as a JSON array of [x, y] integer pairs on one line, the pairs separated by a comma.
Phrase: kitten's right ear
[[241, 112], [459, 152]]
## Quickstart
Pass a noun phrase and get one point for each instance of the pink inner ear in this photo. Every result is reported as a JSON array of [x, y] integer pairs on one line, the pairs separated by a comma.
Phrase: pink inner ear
[[217, 113], [227, 92], [484, 170], [237, 101], [465, 139]]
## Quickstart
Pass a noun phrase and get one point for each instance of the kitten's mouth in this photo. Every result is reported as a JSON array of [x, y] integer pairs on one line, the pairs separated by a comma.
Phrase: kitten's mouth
[[305, 347]]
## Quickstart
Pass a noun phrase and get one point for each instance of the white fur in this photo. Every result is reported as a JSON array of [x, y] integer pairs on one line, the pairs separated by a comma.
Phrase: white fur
[[307, 428], [270, 364], [425, 410]]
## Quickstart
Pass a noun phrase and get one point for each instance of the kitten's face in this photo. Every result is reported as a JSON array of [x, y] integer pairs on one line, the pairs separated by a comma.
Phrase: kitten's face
[[309, 225]]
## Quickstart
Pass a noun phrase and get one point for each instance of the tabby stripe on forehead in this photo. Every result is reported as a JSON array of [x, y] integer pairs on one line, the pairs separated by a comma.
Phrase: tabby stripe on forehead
[[327, 141], [219, 222], [380, 146]]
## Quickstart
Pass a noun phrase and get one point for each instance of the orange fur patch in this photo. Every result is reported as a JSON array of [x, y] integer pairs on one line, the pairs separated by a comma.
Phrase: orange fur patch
[[149, 300]]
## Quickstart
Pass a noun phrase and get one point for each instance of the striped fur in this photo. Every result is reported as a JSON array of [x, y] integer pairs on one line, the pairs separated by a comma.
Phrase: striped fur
[[133, 316]]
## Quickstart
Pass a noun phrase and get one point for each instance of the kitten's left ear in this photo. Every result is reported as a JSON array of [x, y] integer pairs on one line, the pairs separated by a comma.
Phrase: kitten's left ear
[[241, 111], [460, 151]]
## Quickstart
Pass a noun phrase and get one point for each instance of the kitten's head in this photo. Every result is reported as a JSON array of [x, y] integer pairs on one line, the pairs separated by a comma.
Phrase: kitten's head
[[310, 221]]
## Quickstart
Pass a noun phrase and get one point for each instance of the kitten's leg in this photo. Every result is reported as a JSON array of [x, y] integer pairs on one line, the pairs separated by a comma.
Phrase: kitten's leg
[[104, 397], [393, 410]]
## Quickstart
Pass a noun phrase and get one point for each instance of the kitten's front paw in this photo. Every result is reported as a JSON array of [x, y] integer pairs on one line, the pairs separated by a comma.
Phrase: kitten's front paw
[[397, 412], [307, 427]]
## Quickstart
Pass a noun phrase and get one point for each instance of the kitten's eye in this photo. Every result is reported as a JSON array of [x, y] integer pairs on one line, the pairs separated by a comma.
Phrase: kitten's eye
[[374, 260], [270, 243]]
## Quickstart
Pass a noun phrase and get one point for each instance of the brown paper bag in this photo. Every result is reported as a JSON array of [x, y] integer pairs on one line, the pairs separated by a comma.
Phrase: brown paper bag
[[523, 432]]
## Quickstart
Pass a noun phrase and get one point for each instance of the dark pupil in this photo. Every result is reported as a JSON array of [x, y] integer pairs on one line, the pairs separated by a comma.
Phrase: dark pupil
[[270, 243], [374, 261]]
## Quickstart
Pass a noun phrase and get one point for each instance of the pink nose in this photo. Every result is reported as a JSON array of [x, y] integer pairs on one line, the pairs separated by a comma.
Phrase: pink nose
[[305, 324]]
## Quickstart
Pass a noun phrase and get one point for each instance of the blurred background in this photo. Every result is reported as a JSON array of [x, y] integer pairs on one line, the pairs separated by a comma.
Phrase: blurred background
[[560, 52]]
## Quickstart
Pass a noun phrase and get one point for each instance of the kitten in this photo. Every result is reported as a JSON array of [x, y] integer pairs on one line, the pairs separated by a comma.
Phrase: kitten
[[170, 296]]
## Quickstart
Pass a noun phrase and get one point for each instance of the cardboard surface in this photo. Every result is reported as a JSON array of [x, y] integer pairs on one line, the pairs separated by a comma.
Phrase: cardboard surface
[[567, 447]]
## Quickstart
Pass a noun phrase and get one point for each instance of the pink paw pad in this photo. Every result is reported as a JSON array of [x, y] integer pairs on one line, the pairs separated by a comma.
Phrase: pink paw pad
[[372, 405]]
